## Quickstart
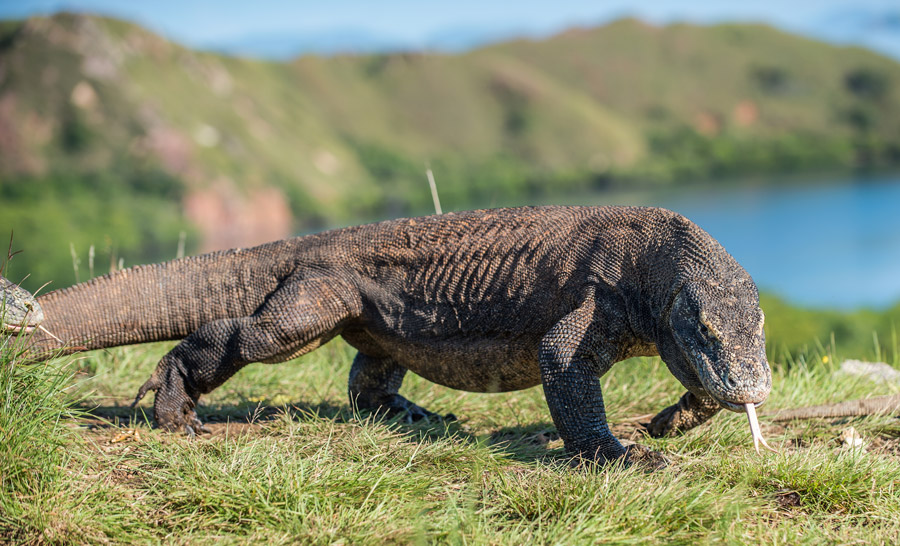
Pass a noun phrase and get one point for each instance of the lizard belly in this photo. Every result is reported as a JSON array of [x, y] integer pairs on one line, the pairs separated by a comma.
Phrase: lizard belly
[[468, 363]]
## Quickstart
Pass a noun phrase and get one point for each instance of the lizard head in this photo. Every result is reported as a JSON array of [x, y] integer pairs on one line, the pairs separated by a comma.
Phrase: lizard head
[[19, 311], [718, 329]]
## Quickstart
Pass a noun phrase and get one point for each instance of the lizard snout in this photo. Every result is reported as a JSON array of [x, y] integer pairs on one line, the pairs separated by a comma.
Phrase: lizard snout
[[739, 384]]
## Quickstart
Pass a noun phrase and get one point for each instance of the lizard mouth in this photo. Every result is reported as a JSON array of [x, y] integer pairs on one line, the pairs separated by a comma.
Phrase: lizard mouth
[[737, 408]]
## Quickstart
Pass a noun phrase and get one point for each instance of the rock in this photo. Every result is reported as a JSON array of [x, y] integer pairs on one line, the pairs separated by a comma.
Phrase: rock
[[850, 439], [876, 371]]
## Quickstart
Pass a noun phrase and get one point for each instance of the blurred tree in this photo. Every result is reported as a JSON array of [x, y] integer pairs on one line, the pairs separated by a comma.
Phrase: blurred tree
[[867, 83]]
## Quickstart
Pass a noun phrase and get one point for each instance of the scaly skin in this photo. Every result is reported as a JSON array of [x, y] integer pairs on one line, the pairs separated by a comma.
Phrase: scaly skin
[[484, 301], [879, 405], [19, 311]]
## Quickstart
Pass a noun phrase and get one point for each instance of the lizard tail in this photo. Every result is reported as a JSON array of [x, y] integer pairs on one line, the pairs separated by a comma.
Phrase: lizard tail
[[879, 405]]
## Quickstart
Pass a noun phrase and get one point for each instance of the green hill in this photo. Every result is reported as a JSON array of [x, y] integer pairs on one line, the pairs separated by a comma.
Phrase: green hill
[[113, 136]]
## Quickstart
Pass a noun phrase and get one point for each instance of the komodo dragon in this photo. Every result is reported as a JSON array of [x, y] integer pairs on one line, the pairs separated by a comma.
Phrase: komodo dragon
[[484, 301]]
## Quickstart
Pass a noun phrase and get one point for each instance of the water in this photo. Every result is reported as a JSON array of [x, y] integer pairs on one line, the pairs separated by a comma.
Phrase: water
[[835, 244]]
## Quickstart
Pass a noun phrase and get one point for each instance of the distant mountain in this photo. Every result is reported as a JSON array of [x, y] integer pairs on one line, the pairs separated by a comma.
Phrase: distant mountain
[[461, 38], [875, 29], [235, 150], [285, 46]]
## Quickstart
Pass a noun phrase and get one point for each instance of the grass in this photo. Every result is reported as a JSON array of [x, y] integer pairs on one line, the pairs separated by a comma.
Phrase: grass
[[287, 463]]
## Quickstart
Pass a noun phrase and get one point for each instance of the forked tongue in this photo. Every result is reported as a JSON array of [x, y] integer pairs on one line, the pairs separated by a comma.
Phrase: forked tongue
[[754, 429]]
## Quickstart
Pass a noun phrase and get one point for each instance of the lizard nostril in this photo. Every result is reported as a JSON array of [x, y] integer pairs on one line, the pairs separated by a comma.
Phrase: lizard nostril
[[729, 382]]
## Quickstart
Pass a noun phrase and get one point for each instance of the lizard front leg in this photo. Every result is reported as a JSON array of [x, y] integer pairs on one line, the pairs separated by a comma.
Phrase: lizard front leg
[[690, 411], [374, 384], [571, 365]]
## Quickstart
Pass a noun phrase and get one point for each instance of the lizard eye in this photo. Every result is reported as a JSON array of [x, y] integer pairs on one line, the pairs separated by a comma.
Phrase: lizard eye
[[709, 337]]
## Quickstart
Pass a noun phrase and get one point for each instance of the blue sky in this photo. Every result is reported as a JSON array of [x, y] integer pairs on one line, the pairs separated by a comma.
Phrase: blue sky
[[416, 23]]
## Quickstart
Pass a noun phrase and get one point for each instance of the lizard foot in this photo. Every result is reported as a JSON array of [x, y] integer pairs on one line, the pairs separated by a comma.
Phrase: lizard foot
[[173, 408], [690, 411], [645, 458], [408, 412], [666, 422], [190, 424], [640, 456]]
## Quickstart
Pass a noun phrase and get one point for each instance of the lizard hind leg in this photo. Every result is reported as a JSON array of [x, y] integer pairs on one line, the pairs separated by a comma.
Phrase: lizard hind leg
[[174, 407], [373, 387], [297, 318]]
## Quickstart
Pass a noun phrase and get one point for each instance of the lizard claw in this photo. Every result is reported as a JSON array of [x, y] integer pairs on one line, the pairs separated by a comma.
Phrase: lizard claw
[[645, 458], [396, 406], [151, 384], [636, 455], [195, 425], [415, 414]]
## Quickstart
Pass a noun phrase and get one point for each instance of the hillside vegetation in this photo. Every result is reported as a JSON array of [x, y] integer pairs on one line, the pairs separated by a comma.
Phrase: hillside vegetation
[[112, 136], [865, 334]]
